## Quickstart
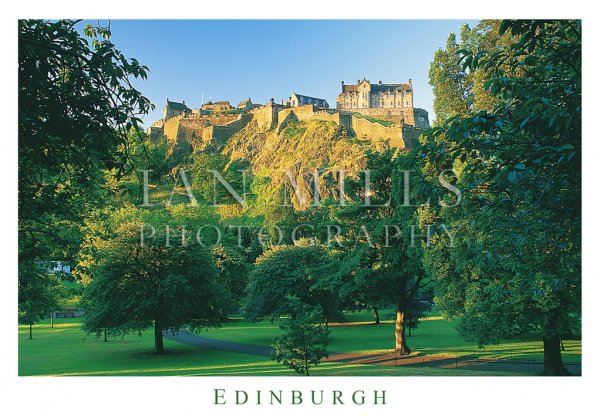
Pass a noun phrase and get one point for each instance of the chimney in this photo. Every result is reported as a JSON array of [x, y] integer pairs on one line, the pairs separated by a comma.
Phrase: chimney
[[357, 81], [410, 82], [342, 84], [183, 102], [379, 82], [271, 101]]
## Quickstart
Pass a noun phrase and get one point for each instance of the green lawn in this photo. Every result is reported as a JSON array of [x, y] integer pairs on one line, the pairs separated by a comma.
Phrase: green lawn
[[435, 336], [385, 123], [64, 350]]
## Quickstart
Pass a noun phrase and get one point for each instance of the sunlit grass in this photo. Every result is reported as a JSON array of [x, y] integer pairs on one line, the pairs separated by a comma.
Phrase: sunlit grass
[[65, 350], [435, 336]]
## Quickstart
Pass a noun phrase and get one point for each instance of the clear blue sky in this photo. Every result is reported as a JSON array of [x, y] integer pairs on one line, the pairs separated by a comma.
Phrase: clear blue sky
[[234, 59]]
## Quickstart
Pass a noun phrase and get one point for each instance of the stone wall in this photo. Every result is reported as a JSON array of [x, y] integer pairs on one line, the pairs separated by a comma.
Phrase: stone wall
[[154, 133], [307, 113], [421, 118], [266, 116], [217, 135], [171, 128], [365, 129], [195, 128], [396, 115]]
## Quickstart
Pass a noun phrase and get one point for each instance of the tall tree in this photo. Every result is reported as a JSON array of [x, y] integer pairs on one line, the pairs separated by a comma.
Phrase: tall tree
[[385, 267], [76, 104], [136, 285], [40, 294], [458, 90], [452, 86], [517, 264]]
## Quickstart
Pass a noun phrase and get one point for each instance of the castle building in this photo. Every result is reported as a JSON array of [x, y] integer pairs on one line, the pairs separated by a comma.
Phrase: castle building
[[247, 105], [173, 108], [217, 106], [366, 95], [390, 102], [297, 100]]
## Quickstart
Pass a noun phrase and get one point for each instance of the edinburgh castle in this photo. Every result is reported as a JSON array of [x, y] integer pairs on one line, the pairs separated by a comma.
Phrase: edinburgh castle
[[368, 111]]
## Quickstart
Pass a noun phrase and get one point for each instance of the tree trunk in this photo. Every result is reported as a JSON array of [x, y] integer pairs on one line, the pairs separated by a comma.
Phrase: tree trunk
[[52, 320], [30, 331], [105, 339], [158, 338], [553, 364], [401, 346], [376, 315], [306, 356]]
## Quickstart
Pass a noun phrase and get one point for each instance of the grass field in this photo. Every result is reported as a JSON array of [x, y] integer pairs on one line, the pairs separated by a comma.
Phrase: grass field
[[64, 350], [434, 336]]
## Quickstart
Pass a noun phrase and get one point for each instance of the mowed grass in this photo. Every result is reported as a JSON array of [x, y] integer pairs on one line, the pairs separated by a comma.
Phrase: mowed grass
[[65, 350], [435, 336]]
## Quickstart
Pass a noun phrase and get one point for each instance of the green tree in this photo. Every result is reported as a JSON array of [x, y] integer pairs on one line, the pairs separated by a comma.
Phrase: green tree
[[306, 272], [40, 294], [233, 273], [304, 340], [136, 285], [452, 86], [415, 312], [385, 268], [209, 187], [458, 90], [517, 264], [76, 105]]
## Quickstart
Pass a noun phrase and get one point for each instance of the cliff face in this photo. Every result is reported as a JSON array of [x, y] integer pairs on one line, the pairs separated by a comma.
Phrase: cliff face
[[299, 148]]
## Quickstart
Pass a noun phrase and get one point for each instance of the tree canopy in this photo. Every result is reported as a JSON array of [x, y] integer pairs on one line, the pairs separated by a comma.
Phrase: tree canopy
[[517, 264], [136, 284]]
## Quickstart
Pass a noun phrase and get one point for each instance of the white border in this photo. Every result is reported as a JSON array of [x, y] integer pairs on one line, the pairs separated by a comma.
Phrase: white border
[[193, 395]]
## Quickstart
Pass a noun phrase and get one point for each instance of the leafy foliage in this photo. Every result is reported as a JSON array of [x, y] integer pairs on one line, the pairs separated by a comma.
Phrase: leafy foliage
[[386, 268], [517, 266], [40, 293], [233, 273], [135, 285], [76, 104], [305, 339], [304, 272]]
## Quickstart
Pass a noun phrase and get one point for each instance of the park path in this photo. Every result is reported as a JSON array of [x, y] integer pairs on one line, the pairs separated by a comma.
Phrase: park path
[[385, 359], [186, 337]]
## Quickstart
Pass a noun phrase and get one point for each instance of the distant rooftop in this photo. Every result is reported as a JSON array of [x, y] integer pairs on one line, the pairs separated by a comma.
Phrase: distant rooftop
[[379, 87], [177, 106], [305, 99]]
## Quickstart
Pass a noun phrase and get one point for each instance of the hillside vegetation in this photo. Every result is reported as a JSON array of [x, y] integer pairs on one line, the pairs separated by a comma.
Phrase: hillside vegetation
[[300, 148]]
